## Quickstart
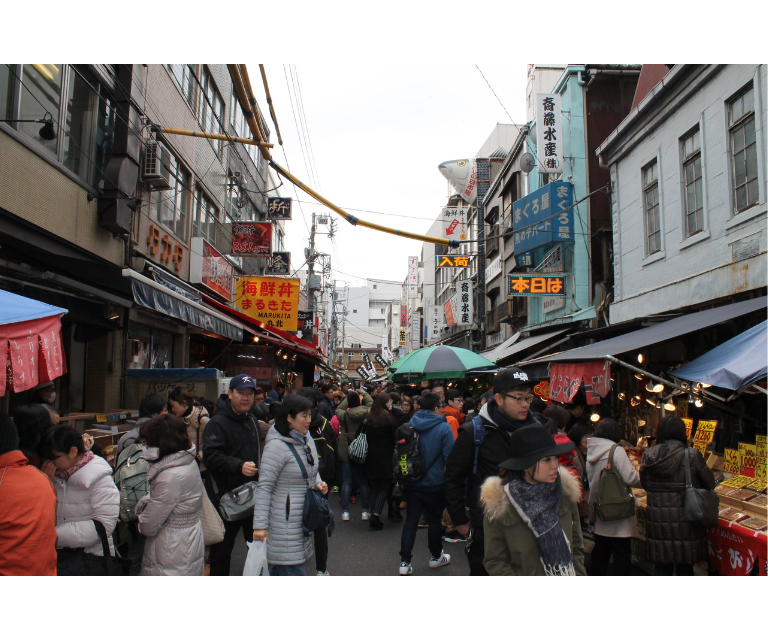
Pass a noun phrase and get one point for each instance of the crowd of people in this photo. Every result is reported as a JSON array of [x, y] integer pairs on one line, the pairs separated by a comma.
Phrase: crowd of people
[[512, 479]]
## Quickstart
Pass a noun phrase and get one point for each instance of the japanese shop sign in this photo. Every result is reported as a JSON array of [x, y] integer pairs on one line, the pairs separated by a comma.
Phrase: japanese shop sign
[[543, 217], [465, 308], [761, 446], [413, 276], [549, 133], [701, 446], [210, 269], [387, 354], [305, 323], [403, 315], [688, 422], [165, 250], [731, 462], [705, 431], [279, 264], [493, 269], [449, 312], [363, 373], [462, 176], [452, 261], [455, 223], [402, 336], [434, 321], [273, 301], [565, 380], [525, 284], [252, 239], [278, 208], [380, 360], [748, 459], [524, 260], [415, 330]]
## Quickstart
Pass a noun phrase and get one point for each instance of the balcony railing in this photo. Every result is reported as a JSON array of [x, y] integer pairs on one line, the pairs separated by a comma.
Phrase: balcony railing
[[506, 310]]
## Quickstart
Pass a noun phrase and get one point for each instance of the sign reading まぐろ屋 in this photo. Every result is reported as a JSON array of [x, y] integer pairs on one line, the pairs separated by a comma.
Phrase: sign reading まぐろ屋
[[543, 217], [273, 301]]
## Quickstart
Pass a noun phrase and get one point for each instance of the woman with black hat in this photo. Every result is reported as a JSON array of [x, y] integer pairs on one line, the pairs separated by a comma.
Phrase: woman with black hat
[[531, 516]]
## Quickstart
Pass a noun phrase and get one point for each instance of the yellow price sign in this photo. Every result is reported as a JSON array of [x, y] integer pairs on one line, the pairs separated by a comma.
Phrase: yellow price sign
[[737, 482], [732, 462], [705, 430], [760, 471], [761, 452], [101, 418], [688, 427], [701, 446], [748, 454], [763, 440], [758, 485]]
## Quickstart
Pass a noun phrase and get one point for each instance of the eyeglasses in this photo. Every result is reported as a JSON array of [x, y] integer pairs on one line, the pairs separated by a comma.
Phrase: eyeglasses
[[310, 457], [520, 399]]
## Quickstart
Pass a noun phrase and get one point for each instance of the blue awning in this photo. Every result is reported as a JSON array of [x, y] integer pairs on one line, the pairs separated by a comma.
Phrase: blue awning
[[15, 308], [735, 364]]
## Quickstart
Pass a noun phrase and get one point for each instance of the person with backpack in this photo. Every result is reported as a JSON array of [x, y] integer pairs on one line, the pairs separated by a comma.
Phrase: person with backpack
[[169, 514], [453, 410], [351, 413], [426, 494], [613, 536], [85, 493], [481, 446], [151, 406], [231, 452], [381, 426]]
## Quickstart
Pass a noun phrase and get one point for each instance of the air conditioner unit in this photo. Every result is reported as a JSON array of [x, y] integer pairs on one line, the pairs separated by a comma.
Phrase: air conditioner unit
[[156, 167]]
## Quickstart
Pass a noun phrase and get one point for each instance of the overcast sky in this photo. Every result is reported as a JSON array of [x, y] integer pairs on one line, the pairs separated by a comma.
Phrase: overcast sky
[[377, 133]]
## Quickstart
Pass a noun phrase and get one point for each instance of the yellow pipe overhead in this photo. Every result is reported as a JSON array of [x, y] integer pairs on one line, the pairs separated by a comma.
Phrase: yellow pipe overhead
[[269, 102], [237, 82], [251, 98], [210, 136]]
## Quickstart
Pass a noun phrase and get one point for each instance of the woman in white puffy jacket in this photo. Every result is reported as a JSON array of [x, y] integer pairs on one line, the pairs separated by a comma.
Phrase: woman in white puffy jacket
[[85, 491]]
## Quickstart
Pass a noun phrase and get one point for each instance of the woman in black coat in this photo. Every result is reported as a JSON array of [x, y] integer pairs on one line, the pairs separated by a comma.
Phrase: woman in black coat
[[672, 544], [380, 429]]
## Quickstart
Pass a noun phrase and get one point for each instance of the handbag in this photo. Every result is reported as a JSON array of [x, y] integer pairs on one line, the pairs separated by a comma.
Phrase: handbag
[[76, 562], [317, 513], [237, 504], [614, 499], [700, 505], [213, 527], [358, 448]]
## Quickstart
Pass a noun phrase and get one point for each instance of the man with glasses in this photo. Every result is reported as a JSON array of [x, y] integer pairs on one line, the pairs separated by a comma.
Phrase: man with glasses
[[503, 414]]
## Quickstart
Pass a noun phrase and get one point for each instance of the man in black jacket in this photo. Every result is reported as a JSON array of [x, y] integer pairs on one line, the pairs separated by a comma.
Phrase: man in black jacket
[[231, 453], [325, 405], [504, 413]]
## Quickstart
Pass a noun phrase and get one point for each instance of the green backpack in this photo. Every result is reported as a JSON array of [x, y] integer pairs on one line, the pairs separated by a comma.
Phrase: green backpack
[[614, 499], [130, 476]]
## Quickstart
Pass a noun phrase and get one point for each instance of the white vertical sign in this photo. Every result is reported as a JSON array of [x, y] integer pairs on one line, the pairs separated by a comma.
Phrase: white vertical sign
[[415, 330], [549, 133], [413, 276], [464, 308], [434, 321]]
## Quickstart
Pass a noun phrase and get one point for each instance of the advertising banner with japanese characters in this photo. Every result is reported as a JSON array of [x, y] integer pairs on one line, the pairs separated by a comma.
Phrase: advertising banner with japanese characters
[[279, 264], [465, 307], [549, 137], [403, 315], [252, 239], [402, 335], [387, 354], [380, 360], [434, 322], [305, 323], [210, 269], [527, 284], [452, 261], [448, 308], [273, 301], [413, 276], [415, 330], [565, 380], [536, 222], [278, 208], [455, 223]]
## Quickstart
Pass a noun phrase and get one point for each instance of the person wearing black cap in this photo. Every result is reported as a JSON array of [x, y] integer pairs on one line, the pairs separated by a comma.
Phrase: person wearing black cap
[[232, 456], [471, 464], [531, 517]]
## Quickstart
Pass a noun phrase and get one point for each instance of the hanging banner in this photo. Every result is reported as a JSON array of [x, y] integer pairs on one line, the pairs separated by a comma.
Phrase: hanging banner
[[305, 323], [415, 330], [279, 264], [549, 133], [465, 303], [565, 380], [434, 321], [402, 335], [413, 276], [455, 223], [362, 372], [33, 353], [273, 301], [380, 360], [278, 209], [210, 269], [403, 315], [252, 239], [448, 308], [536, 222]]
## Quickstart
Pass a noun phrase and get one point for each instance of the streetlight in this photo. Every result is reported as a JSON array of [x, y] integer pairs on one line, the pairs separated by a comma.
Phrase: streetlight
[[47, 131]]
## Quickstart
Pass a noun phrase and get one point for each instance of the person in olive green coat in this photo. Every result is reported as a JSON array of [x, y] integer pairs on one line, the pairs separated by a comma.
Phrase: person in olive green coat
[[351, 414], [531, 517]]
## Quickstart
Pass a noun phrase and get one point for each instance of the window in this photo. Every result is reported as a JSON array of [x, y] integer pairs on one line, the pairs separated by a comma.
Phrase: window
[[651, 206], [212, 110], [184, 77], [692, 183], [172, 207], [354, 310], [374, 286], [741, 120], [6, 92], [206, 218], [40, 94], [148, 348]]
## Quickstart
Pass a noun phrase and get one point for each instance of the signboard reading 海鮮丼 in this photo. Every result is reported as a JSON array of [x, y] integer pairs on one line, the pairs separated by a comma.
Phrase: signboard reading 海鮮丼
[[273, 301]]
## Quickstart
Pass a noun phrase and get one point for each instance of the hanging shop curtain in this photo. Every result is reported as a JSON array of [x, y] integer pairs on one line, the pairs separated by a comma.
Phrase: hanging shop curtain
[[565, 380]]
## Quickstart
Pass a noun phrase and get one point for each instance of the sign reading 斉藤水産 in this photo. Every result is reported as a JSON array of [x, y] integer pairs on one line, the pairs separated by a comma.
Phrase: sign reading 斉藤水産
[[549, 132]]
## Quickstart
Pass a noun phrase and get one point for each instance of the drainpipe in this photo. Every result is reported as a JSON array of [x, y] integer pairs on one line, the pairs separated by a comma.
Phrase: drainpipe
[[580, 80]]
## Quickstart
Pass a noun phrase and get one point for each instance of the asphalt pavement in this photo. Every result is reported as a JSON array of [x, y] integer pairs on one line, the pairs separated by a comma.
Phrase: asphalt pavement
[[356, 550]]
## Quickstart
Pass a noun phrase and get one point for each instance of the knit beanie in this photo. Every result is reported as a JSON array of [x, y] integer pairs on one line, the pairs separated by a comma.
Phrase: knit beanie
[[9, 435]]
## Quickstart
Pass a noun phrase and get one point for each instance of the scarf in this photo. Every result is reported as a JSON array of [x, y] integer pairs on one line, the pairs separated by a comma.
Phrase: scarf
[[505, 422], [66, 473], [539, 507]]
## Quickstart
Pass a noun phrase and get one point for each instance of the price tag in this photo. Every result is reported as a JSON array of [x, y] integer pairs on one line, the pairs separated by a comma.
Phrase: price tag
[[101, 418], [688, 422], [760, 471], [761, 453], [123, 416], [763, 440], [701, 446], [114, 430], [134, 414], [731, 463], [737, 482], [758, 485], [113, 417], [705, 430], [748, 454]]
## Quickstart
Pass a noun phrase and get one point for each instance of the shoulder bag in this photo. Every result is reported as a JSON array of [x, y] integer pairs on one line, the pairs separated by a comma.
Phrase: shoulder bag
[[213, 527], [317, 513], [76, 562], [236, 504], [358, 448], [614, 499], [701, 505]]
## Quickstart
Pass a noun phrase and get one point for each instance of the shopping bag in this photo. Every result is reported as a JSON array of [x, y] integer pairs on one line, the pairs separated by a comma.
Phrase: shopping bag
[[256, 561], [213, 527]]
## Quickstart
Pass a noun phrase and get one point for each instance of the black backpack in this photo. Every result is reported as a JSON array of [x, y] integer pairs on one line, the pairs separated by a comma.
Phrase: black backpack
[[407, 465]]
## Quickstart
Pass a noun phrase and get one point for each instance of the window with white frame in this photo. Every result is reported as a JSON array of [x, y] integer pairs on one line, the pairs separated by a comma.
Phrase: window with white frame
[[212, 109], [184, 76], [205, 223], [741, 122], [172, 207], [651, 208], [692, 183]]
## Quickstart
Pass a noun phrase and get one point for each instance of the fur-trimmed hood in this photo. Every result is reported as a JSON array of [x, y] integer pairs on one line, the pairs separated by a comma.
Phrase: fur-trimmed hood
[[495, 500]]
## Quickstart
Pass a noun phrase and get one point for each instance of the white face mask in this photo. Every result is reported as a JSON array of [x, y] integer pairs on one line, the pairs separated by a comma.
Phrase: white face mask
[[151, 453], [50, 397]]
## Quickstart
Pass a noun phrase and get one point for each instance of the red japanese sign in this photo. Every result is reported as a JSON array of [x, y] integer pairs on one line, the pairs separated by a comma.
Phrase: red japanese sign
[[449, 313], [565, 380], [735, 550], [33, 353], [403, 315], [211, 269], [252, 239]]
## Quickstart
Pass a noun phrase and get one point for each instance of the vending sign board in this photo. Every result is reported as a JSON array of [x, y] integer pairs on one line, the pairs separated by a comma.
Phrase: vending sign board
[[210, 269]]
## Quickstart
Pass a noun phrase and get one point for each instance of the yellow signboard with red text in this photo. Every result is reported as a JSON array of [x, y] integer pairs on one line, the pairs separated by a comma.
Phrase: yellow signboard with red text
[[273, 301]]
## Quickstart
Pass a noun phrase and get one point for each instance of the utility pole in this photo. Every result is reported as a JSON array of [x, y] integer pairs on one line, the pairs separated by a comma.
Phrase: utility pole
[[311, 266]]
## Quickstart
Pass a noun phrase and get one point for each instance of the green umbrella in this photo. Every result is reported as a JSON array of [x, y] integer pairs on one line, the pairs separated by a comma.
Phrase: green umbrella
[[440, 361]]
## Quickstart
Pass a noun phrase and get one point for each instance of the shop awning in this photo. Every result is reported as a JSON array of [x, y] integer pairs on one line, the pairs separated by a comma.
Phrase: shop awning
[[637, 340], [735, 364], [493, 354], [30, 342], [153, 295], [522, 345]]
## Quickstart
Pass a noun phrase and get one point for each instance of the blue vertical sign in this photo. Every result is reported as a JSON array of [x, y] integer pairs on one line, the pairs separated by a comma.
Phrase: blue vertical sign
[[535, 220]]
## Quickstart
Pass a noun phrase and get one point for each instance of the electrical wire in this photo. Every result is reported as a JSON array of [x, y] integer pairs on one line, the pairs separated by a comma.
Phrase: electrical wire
[[300, 102]]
